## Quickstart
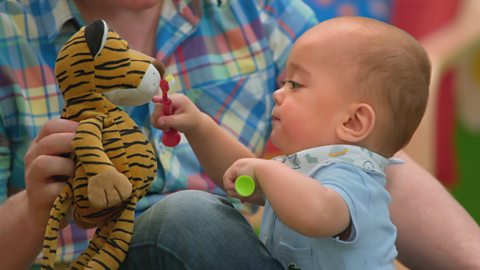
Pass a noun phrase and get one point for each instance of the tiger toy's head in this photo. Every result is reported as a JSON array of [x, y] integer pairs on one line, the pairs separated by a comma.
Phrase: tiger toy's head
[[97, 61]]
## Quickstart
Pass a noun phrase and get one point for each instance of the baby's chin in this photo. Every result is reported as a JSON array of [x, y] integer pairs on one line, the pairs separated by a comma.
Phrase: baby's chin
[[286, 145], [278, 145], [275, 142]]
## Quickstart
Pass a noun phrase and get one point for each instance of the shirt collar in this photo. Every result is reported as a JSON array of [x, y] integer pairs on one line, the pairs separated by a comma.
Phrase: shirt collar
[[57, 14], [309, 159], [192, 10]]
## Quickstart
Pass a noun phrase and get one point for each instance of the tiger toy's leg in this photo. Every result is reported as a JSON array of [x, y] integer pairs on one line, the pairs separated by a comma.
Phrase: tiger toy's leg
[[106, 185], [108, 247], [58, 212], [98, 240], [114, 251]]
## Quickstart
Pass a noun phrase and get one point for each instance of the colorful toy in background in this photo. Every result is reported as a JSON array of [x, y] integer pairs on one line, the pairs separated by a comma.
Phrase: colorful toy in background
[[171, 137], [115, 163]]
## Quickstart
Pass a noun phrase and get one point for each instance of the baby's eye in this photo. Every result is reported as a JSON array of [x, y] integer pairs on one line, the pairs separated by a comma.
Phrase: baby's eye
[[293, 84]]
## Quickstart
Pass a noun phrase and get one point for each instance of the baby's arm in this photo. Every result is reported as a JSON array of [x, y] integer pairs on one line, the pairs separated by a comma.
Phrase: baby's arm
[[301, 202], [214, 147]]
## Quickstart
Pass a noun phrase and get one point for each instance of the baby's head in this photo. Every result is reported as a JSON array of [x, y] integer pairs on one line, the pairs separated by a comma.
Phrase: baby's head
[[365, 83]]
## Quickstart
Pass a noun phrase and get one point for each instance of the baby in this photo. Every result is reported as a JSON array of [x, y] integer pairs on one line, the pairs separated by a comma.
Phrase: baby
[[354, 93]]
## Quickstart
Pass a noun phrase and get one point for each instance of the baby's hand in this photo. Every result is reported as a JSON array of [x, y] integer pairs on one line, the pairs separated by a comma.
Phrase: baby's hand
[[243, 167], [184, 118]]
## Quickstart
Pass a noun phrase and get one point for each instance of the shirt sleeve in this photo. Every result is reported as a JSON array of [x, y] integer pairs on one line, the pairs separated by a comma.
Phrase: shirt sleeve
[[284, 21], [361, 193]]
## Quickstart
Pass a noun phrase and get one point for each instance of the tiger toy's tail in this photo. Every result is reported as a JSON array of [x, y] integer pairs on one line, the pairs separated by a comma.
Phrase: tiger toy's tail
[[58, 212]]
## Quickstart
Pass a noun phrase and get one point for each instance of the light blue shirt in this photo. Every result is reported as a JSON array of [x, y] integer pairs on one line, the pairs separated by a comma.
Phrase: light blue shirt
[[358, 176]]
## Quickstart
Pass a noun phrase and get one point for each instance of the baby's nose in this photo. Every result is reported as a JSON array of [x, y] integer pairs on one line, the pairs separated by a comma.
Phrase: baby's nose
[[278, 96]]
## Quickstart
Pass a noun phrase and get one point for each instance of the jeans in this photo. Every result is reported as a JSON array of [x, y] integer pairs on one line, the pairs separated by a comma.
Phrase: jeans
[[196, 230]]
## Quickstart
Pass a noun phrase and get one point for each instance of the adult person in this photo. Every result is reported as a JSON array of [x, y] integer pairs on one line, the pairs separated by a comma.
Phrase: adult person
[[227, 56]]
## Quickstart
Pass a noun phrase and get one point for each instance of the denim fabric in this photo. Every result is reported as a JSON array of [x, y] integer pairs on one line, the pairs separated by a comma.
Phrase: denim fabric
[[196, 230]]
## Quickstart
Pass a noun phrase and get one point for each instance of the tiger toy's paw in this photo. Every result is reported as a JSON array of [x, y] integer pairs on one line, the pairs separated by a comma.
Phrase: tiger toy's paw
[[108, 189]]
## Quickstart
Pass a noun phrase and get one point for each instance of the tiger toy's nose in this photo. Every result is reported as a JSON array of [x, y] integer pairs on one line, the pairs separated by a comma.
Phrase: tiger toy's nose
[[159, 66]]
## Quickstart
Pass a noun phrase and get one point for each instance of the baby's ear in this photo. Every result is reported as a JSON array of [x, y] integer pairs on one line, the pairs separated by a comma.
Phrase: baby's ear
[[358, 123]]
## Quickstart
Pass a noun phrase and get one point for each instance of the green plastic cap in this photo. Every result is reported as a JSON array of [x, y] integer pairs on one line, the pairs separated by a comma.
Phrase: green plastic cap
[[244, 185]]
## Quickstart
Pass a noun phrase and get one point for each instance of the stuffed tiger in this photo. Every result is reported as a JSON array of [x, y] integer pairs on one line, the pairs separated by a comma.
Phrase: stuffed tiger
[[115, 164]]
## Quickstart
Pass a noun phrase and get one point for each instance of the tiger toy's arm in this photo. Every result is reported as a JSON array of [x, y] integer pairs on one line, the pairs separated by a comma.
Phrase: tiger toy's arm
[[106, 185]]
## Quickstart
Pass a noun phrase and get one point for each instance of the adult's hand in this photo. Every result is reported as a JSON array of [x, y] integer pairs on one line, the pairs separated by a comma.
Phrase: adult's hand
[[48, 166]]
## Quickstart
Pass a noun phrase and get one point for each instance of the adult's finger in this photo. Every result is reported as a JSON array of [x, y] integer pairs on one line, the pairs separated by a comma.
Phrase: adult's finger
[[41, 183], [53, 139], [44, 167], [57, 126], [53, 144]]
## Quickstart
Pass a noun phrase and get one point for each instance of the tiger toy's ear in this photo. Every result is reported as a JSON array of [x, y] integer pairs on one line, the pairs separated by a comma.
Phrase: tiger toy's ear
[[95, 35]]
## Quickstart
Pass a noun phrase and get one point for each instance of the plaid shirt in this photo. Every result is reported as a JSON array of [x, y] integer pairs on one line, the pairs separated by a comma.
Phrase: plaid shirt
[[224, 55]]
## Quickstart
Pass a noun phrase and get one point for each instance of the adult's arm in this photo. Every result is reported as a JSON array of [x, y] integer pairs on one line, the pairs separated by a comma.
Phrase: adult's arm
[[20, 233], [434, 230]]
